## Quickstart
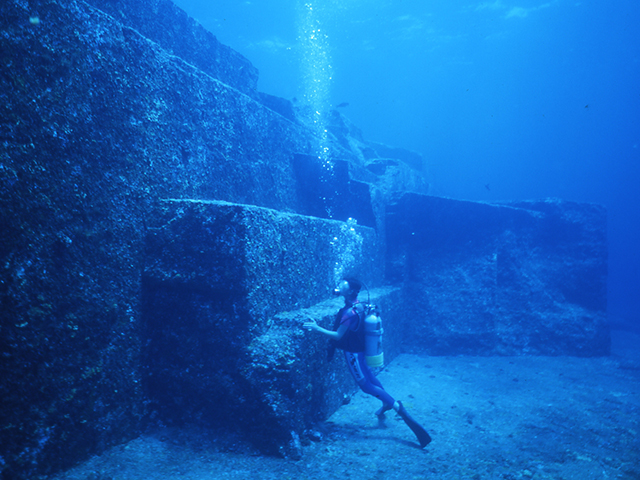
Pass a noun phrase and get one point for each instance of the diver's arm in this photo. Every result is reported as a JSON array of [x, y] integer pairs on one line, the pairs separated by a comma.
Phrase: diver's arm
[[337, 335]]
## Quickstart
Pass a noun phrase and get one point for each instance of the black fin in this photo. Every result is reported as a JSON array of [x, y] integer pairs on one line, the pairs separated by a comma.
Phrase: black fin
[[416, 428]]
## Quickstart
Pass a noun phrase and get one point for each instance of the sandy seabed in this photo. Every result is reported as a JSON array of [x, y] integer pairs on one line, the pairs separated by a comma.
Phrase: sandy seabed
[[508, 418]]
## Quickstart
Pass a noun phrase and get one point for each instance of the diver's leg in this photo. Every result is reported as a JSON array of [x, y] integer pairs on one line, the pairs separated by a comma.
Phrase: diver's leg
[[373, 380], [354, 368], [357, 367], [363, 376]]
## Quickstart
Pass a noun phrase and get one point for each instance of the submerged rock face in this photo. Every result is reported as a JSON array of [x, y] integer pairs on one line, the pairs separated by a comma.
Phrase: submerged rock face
[[96, 122], [226, 291], [120, 306], [162, 22], [523, 278]]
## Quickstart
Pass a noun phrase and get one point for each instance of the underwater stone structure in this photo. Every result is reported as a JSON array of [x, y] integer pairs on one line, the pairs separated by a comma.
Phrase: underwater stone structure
[[164, 226], [517, 278], [225, 293]]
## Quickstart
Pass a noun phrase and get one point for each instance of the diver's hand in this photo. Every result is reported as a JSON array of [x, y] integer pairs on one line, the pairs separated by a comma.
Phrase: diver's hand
[[310, 324]]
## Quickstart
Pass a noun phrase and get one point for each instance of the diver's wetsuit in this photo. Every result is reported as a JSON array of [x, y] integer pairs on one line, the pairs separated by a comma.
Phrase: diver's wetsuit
[[367, 382]]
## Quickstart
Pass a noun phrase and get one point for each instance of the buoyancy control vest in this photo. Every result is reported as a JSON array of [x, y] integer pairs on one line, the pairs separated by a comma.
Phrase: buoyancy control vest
[[353, 338], [366, 336]]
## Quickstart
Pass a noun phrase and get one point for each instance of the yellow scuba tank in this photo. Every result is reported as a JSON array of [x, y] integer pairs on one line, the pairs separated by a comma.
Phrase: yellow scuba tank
[[373, 339]]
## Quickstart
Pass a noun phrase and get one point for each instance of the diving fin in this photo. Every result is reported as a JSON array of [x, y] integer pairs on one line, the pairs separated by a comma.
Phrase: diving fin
[[421, 433]]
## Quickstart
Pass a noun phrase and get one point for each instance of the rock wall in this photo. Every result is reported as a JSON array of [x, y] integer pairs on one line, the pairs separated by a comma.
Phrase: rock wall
[[522, 278], [97, 121], [118, 301], [225, 293], [163, 23]]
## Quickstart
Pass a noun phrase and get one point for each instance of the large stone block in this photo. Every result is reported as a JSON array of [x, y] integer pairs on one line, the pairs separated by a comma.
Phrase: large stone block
[[279, 261], [494, 279], [328, 190], [164, 23], [291, 375], [99, 107], [217, 280]]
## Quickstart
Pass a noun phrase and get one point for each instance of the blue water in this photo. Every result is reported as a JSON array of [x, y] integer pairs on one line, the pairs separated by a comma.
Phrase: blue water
[[513, 99]]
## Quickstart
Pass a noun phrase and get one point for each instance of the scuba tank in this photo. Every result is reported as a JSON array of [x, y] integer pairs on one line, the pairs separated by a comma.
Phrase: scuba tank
[[366, 337], [373, 331]]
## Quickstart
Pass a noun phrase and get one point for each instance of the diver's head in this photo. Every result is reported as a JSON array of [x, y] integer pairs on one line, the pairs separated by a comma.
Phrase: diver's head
[[348, 288]]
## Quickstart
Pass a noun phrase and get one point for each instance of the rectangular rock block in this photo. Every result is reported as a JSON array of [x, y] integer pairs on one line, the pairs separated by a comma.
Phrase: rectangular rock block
[[277, 261], [217, 276], [522, 278], [296, 381], [331, 191], [170, 27]]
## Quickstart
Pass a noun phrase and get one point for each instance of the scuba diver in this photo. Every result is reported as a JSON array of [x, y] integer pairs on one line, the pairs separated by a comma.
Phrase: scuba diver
[[348, 335]]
